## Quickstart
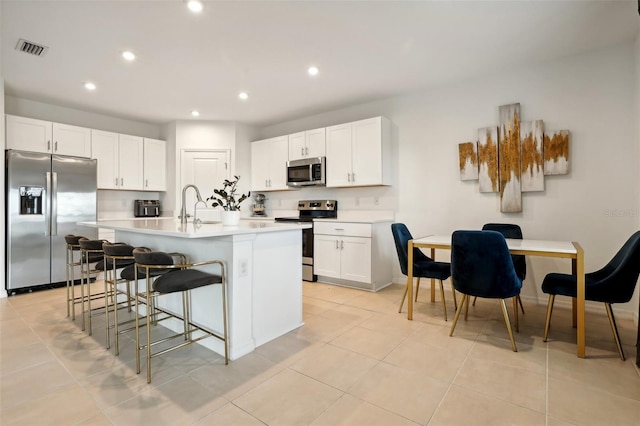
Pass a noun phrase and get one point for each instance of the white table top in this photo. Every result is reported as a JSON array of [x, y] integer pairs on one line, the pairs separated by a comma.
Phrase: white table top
[[172, 228], [513, 244]]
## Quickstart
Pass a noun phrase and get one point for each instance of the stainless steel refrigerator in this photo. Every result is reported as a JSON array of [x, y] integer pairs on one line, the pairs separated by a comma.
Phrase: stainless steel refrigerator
[[45, 196]]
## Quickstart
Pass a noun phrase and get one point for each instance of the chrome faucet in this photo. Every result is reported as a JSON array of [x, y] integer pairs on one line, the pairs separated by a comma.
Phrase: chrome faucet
[[183, 209]]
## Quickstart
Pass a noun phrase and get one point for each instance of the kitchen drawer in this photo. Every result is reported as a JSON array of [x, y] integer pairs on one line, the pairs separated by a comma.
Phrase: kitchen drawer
[[342, 228]]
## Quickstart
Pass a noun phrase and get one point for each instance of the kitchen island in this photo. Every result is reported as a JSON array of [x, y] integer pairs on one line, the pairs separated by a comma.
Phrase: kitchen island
[[264, 274]]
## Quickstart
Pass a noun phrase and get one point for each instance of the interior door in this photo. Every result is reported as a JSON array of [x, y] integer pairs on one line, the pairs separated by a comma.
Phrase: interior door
[[206, 169]]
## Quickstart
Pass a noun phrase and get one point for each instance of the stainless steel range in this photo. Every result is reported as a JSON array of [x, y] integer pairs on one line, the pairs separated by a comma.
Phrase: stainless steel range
[[308, 211]]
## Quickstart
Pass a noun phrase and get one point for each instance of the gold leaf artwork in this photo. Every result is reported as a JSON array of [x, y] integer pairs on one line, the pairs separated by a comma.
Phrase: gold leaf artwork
[[509, 159], [468, 157], [531, 136], [488, 159], [556, 152]]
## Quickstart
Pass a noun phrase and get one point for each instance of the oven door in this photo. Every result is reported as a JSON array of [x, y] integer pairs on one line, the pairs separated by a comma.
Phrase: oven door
[[307, 255]]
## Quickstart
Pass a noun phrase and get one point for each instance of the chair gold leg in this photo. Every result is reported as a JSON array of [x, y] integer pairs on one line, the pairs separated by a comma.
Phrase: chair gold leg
[[466, 311], [547, 323], [453, 291], [457, 315], [444, 305], [614, 328], [474, 301], [417, 289], [520, 302], [515, 313], [505, 314], [404, 296]]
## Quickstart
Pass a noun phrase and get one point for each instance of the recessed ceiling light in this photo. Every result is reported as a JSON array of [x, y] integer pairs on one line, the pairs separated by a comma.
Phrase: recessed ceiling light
[[195, 6], [313, 70], [243, 95], [195, 113], [128, 55], [89, 86]]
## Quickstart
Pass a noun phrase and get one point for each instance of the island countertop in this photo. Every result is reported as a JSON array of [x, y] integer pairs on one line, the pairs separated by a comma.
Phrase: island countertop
[[171, 227]]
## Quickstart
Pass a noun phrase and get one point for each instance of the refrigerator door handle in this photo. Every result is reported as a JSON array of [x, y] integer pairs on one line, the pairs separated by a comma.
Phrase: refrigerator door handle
[[47, 219], [54, 205]]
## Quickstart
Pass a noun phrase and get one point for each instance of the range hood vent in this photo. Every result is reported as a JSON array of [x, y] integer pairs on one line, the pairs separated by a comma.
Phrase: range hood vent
[[31, 48]]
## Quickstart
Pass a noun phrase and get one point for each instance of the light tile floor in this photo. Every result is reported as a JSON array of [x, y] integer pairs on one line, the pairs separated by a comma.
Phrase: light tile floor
[[356, 361]]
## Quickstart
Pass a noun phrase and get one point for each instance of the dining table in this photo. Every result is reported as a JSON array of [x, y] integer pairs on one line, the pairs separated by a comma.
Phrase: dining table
[[558, 249]]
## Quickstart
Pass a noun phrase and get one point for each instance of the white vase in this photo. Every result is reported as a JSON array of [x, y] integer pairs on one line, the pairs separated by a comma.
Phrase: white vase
[[230, 217]]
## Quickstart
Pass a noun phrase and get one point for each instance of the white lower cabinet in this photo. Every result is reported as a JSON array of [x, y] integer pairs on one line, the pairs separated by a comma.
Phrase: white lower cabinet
[[353, 254]]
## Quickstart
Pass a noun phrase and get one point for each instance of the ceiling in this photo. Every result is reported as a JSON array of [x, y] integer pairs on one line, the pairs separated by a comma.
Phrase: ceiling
[[364, 50]]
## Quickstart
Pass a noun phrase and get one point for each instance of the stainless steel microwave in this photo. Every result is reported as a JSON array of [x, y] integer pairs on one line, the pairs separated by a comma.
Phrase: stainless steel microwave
[[306, 172]]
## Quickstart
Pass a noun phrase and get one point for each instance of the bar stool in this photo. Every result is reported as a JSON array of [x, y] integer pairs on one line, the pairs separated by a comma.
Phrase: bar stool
[[182, 279], [117, 256], [128, 275], [73, 247], [91, 254]]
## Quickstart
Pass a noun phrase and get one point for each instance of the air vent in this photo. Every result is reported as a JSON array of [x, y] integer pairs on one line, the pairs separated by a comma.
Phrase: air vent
[[31, 48]]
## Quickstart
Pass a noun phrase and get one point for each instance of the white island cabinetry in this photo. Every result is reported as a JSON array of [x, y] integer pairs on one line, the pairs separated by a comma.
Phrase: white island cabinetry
[[263, 262], [353, 254]]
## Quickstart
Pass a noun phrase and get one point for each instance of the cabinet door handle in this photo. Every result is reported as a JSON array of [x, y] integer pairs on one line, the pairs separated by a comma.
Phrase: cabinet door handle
[[301, 150], [306, 150], [48, 145], [146, 183], [121, 181], [337, 245], [341, 244], [116, 181], [339, 229], [353, 177], [55, 147], [348, 177]]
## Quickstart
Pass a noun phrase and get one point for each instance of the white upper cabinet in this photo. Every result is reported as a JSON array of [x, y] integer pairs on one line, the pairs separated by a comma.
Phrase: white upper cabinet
[[71, 140], [269, 164], [104, 148], [155, 164], [307, 144], [131, 160], [359, 153], [29, 134], [120, 160]]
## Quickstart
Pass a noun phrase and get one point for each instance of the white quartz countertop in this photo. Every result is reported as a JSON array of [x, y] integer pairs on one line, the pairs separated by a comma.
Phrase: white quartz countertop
[[172, 228]]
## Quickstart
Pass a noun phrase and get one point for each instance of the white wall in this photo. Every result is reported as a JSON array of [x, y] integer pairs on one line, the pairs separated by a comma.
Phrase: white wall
[[44, 111], [199, 135], [591, 95], [638, 117], [3, 292]]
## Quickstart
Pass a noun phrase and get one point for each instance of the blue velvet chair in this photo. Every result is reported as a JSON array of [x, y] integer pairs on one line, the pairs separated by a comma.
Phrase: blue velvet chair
[[481, 266], [614, 283], [423, 265], [513, 231]]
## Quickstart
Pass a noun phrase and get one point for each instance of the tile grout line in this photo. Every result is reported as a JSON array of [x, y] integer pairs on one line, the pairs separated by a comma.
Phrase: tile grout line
[[475, 340]]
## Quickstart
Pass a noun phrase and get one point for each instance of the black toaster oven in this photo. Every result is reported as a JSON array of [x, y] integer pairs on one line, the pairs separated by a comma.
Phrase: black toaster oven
[[146, 208]]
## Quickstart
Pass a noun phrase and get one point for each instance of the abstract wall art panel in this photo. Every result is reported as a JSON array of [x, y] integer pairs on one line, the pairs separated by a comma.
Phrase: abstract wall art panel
[[514, 157], [556, 152], [531, 136], [509, 159], [488, 159], [468, 156]]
